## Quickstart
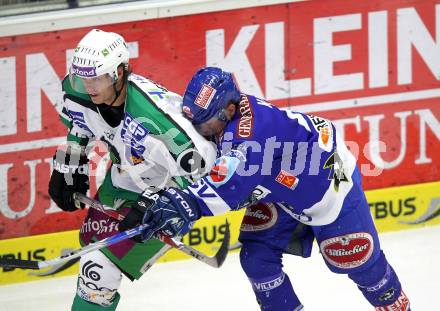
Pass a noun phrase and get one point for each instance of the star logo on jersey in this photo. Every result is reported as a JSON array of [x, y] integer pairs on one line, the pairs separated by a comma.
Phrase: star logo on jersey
[[287, 180]]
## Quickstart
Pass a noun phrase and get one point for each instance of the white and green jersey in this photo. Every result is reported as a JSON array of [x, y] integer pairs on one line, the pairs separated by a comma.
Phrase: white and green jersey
[[153, 146]]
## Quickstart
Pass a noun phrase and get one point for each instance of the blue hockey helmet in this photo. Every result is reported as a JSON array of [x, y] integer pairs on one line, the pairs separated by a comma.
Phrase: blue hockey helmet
[[208, 93]]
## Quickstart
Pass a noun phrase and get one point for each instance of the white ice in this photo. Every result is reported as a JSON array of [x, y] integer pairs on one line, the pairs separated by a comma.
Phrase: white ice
[[190, 285]]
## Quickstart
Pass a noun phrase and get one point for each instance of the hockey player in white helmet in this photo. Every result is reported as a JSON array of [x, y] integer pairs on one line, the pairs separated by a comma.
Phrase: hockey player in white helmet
[[151, 145]]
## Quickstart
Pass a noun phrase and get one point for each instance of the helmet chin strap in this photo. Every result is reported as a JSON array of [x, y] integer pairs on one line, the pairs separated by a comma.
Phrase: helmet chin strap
[[117, 92]]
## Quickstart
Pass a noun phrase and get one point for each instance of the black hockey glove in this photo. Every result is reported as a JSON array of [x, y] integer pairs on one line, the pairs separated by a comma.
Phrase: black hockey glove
[[171, 215], [70, 175], [137, 211]]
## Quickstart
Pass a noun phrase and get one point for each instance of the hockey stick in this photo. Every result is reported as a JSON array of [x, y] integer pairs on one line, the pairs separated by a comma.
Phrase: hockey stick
[[215, 261], [34, 264]]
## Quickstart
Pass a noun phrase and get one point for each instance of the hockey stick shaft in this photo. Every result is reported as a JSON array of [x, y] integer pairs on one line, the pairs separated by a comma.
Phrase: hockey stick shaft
[[33, 264], [215, 261]]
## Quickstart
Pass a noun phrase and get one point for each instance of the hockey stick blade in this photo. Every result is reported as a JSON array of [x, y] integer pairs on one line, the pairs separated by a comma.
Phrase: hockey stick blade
[[215, 261], [224, 247], [19, 263]]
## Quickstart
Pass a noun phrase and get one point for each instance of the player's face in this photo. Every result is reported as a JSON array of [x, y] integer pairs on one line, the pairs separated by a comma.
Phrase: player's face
[[217, 124], [100, 89], [211, 127]]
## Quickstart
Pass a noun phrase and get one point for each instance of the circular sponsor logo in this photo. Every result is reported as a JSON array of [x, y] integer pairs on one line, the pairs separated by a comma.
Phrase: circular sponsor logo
[[258, 217], [348, 251]]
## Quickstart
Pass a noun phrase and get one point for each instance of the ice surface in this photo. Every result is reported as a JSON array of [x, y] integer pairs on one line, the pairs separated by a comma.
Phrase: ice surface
[[190, 285]]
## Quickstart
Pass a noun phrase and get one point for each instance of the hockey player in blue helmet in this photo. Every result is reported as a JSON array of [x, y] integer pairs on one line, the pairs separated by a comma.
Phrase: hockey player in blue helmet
[[209, 101], [298, 161]]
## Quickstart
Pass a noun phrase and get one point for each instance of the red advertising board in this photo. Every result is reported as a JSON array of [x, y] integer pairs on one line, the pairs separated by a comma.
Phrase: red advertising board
[[373, 67]]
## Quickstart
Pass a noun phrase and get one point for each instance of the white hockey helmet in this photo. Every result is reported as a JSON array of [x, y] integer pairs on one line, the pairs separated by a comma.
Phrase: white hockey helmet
[[96, 60]]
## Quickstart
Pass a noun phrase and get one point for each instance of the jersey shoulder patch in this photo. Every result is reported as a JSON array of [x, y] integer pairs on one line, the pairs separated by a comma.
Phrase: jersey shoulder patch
[[325, 132]]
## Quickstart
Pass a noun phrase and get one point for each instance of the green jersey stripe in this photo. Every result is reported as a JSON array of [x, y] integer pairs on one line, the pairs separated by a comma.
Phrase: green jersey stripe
[[181, 141]]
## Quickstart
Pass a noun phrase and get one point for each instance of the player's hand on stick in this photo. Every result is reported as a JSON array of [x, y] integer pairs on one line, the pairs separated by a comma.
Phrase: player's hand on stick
[[145, 201], [172, 214], [169, 212]]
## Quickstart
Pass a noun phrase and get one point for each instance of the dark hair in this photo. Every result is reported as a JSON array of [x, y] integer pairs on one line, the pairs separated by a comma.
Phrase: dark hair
[[127, 70]]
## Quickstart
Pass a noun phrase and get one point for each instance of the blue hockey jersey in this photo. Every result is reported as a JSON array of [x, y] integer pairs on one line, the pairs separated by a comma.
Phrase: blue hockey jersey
[[273, 155]]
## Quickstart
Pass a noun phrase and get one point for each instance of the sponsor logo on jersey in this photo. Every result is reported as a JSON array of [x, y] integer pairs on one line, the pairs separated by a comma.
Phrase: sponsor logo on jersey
[[325, 130], [132, 129], [205, 96], [99, 226], [79, 120], [259, 217], [89, 285], [222, 171], [133, 134], [287, 180], [85, 72], [348, 251], [246, 122]]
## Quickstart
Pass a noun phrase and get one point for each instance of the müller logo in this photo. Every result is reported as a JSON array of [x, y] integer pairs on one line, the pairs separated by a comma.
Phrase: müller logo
[[84, 71]]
